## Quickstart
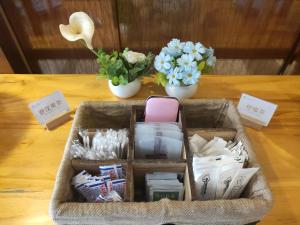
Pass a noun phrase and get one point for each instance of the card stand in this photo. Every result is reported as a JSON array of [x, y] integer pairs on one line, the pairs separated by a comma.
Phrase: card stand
[[137, 115], [142, 168]]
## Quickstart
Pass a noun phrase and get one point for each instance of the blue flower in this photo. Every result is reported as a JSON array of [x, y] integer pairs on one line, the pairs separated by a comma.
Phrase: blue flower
[[187, 62], [191, 77], [172, 79], [174, 47], [200, 48], [163, 62], [196, 50], [188, 47], [178, 72], [209, 51], [211, 60], [165, 50]]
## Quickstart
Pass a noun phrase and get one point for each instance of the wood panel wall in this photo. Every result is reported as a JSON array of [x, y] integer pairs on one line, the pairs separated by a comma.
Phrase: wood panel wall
[[246, 33]]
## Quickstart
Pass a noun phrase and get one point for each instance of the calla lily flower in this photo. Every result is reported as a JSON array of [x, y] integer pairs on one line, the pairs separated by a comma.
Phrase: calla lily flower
[[80, 27]]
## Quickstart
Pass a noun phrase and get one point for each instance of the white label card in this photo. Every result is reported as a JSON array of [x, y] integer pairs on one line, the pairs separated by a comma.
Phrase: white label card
[[257, 109], [49, 107]]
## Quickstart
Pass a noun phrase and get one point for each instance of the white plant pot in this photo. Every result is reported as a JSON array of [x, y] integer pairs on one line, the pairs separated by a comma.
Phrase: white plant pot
[[181, 92], [127, 90]]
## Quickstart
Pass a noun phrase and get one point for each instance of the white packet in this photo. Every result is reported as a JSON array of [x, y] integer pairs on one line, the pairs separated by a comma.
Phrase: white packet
[[215, 146], [226, 174], [152, 147], [239, 182], [161, 176], [206, 182], [215, 168], [197, 143], [164, 133], [158, 126]]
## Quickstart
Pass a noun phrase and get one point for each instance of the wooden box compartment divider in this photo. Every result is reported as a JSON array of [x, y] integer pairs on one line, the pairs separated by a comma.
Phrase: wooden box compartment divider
[[141, 168], [208, 118]]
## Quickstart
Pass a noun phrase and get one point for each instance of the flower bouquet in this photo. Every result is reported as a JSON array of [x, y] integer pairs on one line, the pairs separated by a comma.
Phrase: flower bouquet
[[180, 65], [122, 69]]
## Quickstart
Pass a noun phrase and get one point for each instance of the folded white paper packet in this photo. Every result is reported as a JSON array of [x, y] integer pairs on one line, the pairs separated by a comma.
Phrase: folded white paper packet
[[197, 143], [239, 182], [218, 168]]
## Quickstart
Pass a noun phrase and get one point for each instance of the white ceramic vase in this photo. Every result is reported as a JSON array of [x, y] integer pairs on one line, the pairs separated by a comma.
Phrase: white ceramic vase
[[127, 90], [181, 92]]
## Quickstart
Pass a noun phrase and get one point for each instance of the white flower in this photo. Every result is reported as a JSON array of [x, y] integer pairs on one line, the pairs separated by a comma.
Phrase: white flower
[[172, 79], [211, 60], [191, 77], [134, 57], [80, 26], [194, 49], [187, 62], [163, 62], [174, 47]]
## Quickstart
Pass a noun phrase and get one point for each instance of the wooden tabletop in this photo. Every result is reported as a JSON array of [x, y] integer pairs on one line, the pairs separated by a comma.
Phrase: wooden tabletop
[[30, 155]]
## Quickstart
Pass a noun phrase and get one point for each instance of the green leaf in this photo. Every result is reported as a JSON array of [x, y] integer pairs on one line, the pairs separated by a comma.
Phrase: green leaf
[[201, 65], [115, 81], [161, 79], [123, 80], [207, 69], [116, 68]]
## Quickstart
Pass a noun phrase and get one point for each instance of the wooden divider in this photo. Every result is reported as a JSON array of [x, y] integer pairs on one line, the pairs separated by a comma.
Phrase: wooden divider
[[137, 168]]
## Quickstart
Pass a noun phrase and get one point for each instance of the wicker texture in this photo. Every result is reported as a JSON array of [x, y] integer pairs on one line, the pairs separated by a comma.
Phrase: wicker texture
[[256, 200]]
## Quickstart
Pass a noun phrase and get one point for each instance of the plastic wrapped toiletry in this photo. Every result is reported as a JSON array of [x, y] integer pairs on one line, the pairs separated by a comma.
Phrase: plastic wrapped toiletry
[[215, 146], [206, 182], [112, 196], [114, 171], [158, 140], [197, 143], [94, 189], [213, 175], [158, 147], [239, 182], [105, 145], [218, 146], [101, 188], [226, 174], [117, 185]]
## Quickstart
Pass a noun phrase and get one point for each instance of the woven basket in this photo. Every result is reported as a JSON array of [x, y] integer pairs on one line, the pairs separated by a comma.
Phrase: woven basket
[[208, 118]]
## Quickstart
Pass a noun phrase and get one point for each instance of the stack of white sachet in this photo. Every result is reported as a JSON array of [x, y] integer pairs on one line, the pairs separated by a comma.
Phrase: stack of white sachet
[[158, 140], [109, 144], [163, 185], [217, 146], [218, 168]]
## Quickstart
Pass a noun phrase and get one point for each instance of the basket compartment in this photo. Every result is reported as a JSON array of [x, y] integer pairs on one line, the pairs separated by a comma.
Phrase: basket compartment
[[206, 114], [93, 169], [141, 169], [138, 116], [103, 117]]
